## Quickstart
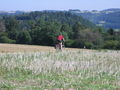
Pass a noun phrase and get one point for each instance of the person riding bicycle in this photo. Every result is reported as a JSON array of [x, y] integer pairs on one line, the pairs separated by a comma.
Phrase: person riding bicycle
[[60, 40]]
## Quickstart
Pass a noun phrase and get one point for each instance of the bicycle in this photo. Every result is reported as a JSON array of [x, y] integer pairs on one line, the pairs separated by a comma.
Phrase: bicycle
[[59, 46]]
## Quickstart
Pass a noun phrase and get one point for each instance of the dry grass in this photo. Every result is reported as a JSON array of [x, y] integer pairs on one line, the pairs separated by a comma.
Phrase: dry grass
[[11, 48], [71, 68], [5, 48]]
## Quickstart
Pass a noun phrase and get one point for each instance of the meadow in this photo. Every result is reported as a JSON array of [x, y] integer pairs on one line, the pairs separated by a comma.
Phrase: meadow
[[71, 69]]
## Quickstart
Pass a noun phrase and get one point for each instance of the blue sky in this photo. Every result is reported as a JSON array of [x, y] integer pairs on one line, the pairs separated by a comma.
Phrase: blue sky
[[33, 5]]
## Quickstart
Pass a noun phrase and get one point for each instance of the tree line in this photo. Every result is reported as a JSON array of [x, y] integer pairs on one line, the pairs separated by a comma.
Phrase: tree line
[[42, 28]]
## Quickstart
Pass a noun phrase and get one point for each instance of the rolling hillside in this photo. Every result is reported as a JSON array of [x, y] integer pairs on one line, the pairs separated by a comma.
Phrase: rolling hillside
[[109, 18]]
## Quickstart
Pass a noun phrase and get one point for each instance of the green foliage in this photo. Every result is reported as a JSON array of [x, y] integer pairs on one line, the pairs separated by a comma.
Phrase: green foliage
[[46, 35], [3, 34], [79, 44], [111, 44], [67, 29], [77, 28], [5, 39], [88, 38], [88, 45], [110, 20], [111, 31], [2, 26], [42, 28], [24, 38], [69, 43], [11, 23], [13, 34], [6, 86]]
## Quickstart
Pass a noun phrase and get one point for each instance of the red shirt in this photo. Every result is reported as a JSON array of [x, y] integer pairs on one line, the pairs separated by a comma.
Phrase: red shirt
[[60, 37]]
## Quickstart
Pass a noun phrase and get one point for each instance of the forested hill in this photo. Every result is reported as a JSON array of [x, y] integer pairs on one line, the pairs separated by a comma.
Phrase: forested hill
[[109, 18], [42, 28], [59, 16], [62, 17]]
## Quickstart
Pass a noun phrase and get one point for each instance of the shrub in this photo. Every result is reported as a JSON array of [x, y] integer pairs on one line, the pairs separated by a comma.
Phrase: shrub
[[69, 43], [24, 38], [5, 39], [111, 44], [88, 45]]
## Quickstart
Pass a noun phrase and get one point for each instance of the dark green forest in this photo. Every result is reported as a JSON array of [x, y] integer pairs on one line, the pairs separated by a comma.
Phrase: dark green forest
[[42, 28]]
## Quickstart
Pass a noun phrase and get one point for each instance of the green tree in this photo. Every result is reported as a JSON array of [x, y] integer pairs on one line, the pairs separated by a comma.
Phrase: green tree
[[49, 33], [11, 24], [88, 36], [13, 34], [5, 39], [36, 36], [2, 26], [111, 31], [76, 29], [24, 37], [111, 44], [66, 28]]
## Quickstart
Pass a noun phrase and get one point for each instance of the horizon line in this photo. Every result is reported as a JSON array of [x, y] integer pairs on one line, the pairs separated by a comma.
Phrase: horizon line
[[56, 10]]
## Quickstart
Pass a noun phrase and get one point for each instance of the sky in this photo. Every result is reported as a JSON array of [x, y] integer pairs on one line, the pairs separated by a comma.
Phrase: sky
[[38, 5]]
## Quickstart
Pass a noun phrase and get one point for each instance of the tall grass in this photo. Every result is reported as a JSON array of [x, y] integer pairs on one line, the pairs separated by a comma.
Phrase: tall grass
[[83, 69]]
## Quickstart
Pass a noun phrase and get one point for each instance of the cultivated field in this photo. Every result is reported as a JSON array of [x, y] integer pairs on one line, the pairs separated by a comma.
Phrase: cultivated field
[[5, 48], [39, 68], [11, 48]]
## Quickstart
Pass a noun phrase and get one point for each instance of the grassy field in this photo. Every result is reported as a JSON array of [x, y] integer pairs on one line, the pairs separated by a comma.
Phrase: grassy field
[[71, 69]]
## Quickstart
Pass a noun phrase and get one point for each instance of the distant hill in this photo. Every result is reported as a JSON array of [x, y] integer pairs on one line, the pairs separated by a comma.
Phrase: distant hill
[[109, 18], [2, 13], [64, 17], [54, 15]]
